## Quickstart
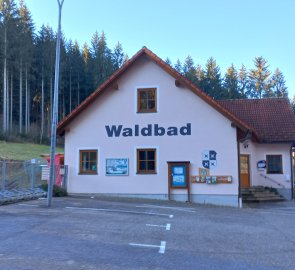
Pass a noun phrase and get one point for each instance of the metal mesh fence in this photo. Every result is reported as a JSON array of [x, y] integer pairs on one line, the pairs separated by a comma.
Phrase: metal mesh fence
[[23, 180]]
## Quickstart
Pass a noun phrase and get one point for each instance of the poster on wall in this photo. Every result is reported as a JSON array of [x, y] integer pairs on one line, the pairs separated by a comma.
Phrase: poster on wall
[[178, 176], [117, 167]]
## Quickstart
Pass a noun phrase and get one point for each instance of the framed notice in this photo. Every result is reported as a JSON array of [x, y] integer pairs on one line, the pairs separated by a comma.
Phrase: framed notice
[[117, 167]]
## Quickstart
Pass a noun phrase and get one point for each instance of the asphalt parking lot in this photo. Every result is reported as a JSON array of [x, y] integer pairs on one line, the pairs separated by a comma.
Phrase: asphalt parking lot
[[112, 233]]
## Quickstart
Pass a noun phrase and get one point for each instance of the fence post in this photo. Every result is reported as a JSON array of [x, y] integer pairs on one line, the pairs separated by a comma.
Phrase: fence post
[[65, 177], [33, 176], [3, 174]]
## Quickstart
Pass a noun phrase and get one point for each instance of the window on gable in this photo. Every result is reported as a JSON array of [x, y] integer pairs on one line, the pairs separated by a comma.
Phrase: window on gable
[[274, 164], [146, 161], [146, 100], [88, 162]]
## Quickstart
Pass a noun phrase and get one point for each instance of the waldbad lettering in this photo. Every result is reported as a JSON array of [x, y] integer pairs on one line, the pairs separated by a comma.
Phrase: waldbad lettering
[[147, 131]]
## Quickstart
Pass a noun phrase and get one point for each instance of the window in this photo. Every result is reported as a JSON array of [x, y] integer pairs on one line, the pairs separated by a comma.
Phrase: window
[[146, 100], [274, 164], [146, 161], [88, 161]]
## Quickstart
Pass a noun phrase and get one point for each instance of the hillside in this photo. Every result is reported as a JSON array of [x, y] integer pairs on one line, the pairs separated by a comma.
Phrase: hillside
[[23, 151]]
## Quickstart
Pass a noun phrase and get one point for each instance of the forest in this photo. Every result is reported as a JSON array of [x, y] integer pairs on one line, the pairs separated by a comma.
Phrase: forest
[[27, 61]]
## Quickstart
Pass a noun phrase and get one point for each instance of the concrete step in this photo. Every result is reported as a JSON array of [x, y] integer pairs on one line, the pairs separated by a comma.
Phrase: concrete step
[[261, 194]]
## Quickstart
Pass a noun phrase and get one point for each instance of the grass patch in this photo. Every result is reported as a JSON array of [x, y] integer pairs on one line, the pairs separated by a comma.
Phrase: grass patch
[[24, 151]]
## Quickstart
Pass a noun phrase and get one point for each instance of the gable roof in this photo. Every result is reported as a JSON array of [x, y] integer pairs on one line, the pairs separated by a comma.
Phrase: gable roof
[[271, 118], [144, 52]]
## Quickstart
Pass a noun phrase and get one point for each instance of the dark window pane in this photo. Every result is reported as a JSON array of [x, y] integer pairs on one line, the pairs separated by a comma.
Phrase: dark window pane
[[143, 94], [142, 165], [92, 166], [151, 165], [93, 156], [84, 166], [143, 104], [85, 157], [274, 164], [151, 95], [151, 155], [142, 155], [151, 104]]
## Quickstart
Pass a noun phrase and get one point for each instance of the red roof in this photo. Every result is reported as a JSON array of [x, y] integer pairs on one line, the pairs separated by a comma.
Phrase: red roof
[[144, 52], [271, 118]]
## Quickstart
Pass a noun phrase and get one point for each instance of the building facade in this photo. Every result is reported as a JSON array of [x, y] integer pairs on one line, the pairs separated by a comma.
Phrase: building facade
[[149, 132]]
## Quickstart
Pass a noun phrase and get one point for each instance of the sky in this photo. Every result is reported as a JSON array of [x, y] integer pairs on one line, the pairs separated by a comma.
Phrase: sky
[[231, 31]]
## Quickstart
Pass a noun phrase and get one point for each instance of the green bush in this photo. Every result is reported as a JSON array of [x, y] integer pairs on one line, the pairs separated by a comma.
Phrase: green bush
[[57, 191]]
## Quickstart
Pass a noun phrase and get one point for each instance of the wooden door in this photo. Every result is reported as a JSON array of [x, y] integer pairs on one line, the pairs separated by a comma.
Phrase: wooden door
[[244, 171]]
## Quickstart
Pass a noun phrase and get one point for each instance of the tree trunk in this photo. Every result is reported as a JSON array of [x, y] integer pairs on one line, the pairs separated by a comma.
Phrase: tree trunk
[[8, 101], [70, 89], [78, 90], [11, 101], [21, 97], [42, 108], [4, 83], [26, 104]]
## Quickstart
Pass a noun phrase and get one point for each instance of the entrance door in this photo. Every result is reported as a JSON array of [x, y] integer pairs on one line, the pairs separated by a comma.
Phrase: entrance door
[[244, 171]]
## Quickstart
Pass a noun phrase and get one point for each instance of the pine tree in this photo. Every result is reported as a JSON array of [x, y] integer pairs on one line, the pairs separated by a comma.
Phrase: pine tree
[[178, 66], [8, 23], [278, 84], [118, 56], [259, 78], [189, 70], [243, 82], [168, 61], [212, 79], [230, 83]]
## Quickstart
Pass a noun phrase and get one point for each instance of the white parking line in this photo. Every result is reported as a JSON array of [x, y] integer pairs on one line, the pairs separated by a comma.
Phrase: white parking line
[[168, 226], [31, 205], [276, 212], [162, 247], [166, 207], [119, 211]]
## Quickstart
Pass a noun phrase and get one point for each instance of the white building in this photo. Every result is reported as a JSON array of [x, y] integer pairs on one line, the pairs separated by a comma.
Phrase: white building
[[149, 132]]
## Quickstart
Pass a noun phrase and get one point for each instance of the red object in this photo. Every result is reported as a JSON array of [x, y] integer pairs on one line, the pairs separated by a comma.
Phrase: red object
[[58, 162]]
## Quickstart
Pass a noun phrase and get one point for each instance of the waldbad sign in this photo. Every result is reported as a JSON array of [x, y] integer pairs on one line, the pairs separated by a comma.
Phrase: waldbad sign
[[147, 131]]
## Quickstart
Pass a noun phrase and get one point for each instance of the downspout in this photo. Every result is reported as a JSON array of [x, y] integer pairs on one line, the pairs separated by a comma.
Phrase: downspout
[[239, 171], [292, 150]]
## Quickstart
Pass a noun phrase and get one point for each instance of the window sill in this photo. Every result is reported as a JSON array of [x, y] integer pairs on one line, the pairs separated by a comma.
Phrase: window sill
[[146, 173], [88, 173]]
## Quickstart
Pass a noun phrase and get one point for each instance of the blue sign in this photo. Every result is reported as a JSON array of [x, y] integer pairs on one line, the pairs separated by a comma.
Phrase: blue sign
[[261, 164], [178, 176]]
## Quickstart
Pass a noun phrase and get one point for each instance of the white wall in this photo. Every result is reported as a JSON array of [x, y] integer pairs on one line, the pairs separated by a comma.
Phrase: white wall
[[176, 107], [258, 152]]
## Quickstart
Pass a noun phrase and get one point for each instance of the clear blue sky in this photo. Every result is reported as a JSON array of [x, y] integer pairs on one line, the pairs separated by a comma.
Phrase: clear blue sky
[[232, 31]]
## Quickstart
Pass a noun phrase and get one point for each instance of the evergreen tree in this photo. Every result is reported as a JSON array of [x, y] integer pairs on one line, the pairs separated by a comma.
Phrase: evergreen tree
[[189, 70], [230, 83], [200, 77], [8, 26], [26, 27], [178, 66], [168, 61], [243, 83], [259, 79], [278, 84], [212, 84], [118, 56]]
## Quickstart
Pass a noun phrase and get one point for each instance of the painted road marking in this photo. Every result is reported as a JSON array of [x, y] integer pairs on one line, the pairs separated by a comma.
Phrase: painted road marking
[[119, 211], [162, 247], [276, 212], [168, 226], [166, 207], [31, 205]]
